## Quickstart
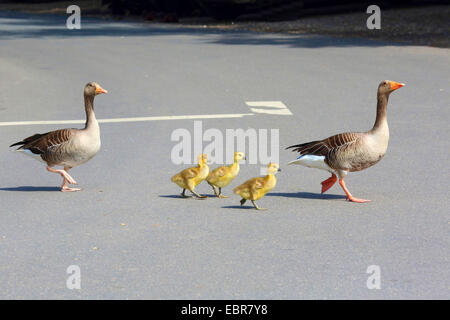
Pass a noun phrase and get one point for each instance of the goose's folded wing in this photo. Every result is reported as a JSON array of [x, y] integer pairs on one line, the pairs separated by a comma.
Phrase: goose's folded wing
[[329, 146], [41, 143]]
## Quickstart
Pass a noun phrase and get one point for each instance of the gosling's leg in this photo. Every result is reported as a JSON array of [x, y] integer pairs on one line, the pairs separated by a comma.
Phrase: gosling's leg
[[215, 190], [197, 195], [191, 186], [256, 206], [220, 195], [183, 194]]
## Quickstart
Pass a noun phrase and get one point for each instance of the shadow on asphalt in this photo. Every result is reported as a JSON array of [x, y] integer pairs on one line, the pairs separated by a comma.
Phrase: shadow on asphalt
[[30, 189], [174, 196], [239, 207], [177, 196], [14, 25], [306, 195]]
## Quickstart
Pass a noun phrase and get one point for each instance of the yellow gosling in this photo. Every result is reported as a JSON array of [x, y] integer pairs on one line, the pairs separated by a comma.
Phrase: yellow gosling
[[189, 178], [256, 188], [222, 176]]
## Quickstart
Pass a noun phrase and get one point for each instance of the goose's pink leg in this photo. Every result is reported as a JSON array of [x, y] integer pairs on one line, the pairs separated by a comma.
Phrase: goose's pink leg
[[327, 184], [63, 174], [65, 188], [67, 179], [349, 195]]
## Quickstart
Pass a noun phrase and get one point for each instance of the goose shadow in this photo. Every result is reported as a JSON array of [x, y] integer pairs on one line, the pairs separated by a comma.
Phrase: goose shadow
[[306, 195], [30, 189]]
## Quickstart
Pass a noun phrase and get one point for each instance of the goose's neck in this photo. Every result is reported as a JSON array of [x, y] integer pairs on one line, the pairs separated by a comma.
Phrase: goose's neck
[[90, 115], [381, 120]]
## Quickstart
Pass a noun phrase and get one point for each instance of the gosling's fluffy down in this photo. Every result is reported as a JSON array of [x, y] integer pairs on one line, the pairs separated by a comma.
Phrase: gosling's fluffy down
[[189, 178], [222, 176], [256, 188]]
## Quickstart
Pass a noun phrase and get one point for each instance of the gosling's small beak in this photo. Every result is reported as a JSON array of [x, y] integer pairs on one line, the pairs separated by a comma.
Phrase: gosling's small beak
[[396, 85], [245, 158], [99, 90], [279, 169]]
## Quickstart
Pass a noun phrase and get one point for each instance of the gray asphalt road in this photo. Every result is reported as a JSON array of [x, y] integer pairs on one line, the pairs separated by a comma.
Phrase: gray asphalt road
[[130, 234]]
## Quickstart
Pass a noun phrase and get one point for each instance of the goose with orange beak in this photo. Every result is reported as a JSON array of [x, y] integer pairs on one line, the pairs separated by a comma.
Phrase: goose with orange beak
[[350, 151], [67, 147]]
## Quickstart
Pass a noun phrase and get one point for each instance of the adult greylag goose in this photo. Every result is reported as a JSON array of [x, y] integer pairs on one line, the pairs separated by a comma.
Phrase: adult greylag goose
[[67, 147], [350, 151]]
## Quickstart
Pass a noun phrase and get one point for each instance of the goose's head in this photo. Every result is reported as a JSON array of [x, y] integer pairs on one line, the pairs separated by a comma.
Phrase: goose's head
[[388, 86], [93, 89], [273, 168], [238, 156]]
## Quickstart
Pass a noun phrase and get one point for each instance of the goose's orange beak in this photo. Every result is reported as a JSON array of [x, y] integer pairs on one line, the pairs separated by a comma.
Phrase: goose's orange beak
[[99, 90], [396, 85]]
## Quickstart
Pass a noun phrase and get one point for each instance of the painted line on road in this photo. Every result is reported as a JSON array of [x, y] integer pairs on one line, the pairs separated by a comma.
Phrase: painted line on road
[[271, 107], [136, 119]]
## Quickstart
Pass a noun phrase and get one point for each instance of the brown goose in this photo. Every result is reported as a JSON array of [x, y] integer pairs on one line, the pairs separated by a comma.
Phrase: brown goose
[[67, 147], [350, 151]]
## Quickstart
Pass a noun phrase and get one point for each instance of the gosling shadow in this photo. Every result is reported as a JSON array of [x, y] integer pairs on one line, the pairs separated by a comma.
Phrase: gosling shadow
[[178, 196], [307, 195], [238, 207], [173, 196], [31, 189]]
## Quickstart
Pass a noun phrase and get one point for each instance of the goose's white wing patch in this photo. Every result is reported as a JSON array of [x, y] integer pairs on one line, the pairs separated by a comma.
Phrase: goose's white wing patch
[[312, 161], [31, 154]]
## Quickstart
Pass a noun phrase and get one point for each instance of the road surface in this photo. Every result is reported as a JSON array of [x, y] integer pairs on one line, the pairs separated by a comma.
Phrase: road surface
[[132, 236]]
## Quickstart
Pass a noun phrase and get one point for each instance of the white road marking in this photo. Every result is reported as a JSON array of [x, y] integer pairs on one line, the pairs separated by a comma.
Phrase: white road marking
[[137, 119], [273, 107]]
